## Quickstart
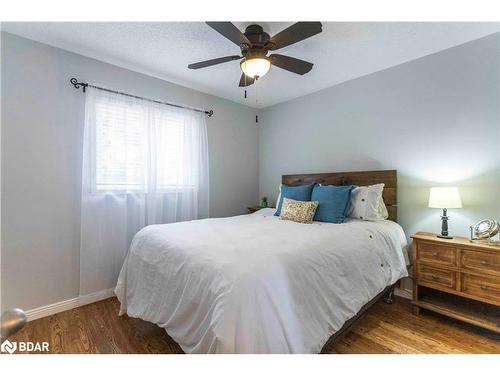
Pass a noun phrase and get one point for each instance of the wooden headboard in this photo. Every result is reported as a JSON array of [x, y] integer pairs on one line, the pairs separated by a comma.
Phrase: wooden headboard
[[361, 178]]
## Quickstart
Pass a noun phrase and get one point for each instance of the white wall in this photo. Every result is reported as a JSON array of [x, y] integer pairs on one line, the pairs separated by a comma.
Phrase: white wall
[[436, 120], [42, 124]]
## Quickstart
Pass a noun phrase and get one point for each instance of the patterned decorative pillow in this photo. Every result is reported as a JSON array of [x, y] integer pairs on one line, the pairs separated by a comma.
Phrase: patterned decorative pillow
[[298, 211]]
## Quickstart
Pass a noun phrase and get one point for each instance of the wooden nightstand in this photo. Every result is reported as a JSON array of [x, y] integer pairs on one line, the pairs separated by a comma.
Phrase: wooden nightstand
[[253, 209], [457, 278]]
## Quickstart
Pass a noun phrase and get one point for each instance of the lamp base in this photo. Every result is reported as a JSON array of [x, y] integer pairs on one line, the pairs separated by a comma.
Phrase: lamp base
[[444, 226], [445, 237]]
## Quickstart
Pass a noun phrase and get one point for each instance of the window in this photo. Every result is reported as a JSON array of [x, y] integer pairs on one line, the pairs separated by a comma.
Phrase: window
[[171, 156], [120, 148], [140, 146]]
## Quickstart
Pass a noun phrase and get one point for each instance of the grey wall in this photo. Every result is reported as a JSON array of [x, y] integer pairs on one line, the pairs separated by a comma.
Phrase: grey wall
[[436, 120], [42, 125]]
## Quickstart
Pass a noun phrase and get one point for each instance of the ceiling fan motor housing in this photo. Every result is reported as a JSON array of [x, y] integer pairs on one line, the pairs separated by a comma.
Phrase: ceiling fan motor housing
[[258, 37]]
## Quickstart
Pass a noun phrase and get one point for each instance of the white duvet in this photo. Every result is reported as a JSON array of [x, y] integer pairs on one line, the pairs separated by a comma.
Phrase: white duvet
[[255, 283]]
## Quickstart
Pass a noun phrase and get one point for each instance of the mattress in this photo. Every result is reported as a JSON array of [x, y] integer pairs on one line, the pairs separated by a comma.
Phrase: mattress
[[255, 283]]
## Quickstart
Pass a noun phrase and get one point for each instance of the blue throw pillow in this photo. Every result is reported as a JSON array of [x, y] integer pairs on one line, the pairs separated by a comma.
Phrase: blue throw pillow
[[333, 202], [298, 193]]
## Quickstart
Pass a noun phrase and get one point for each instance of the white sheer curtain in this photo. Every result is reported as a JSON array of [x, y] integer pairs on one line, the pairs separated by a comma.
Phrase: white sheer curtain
[[143, 163]]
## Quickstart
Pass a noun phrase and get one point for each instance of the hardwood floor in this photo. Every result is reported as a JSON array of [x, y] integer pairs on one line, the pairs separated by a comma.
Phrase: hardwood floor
[[97, 328]]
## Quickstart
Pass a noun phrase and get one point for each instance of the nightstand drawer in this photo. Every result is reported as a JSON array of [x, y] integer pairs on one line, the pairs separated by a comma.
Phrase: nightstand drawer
[[479, 261], [437, 276], [436, 253], [481, 286]]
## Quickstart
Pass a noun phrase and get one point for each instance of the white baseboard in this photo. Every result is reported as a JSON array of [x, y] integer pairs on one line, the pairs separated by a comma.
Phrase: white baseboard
[[42, 312], [96, 296], [404, 293]]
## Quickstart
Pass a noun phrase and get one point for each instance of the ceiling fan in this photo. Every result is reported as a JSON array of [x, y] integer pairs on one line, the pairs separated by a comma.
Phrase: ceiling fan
[[255, 43]]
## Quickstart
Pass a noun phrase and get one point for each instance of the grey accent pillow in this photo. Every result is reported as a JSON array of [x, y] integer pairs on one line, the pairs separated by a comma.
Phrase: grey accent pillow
[[366, 203]]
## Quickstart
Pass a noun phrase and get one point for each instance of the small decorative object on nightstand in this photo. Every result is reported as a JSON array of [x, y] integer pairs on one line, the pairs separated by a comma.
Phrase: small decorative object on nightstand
[[263, 203], [445, 197], [485, 231], [457, 278]]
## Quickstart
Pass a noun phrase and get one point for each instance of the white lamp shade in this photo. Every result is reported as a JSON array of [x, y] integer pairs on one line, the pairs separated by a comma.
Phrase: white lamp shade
[[255, 67], [445, 197]]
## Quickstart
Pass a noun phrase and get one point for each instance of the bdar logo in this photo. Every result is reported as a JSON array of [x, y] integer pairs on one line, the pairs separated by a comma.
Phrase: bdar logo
[[9, 347], [22, 346]]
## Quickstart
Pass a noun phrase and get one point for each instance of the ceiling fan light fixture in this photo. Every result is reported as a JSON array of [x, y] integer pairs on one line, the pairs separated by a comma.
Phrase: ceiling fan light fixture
[[255, 67]]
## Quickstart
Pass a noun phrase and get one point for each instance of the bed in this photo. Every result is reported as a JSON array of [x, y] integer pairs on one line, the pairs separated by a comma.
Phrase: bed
[[258, 284]]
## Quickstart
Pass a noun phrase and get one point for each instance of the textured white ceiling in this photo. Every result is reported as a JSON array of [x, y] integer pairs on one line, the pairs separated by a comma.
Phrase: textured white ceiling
[[343, 51]]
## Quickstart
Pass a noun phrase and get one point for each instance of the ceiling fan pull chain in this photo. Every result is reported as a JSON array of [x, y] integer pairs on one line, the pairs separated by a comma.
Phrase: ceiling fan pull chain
[[245, 85], [257, 92]]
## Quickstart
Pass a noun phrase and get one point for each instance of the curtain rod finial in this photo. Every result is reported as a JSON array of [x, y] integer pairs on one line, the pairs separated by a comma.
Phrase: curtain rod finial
[[77, 84], [210, 113]]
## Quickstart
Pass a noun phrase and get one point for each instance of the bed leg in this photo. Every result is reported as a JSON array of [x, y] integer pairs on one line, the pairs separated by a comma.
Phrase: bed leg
[[388, 295]]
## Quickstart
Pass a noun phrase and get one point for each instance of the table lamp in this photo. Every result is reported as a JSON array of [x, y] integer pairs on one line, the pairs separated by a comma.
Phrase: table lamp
[[445, 197]]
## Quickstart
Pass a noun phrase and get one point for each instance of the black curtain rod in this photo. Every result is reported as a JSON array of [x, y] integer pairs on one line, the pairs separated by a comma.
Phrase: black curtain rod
[[84, 85]]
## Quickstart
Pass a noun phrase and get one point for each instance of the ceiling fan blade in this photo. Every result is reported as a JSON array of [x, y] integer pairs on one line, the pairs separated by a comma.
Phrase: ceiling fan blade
[[291, 64], [295, 33], [245, 80], [231, 32], [219, 60]]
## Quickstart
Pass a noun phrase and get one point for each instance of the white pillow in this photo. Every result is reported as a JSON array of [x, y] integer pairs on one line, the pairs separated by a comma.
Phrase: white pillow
[[366, 203], [382, 210]]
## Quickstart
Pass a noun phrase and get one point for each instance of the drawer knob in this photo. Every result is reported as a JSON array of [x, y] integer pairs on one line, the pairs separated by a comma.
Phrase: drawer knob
[[484, 263], [484, 287], [434, 277], [434, 254]]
